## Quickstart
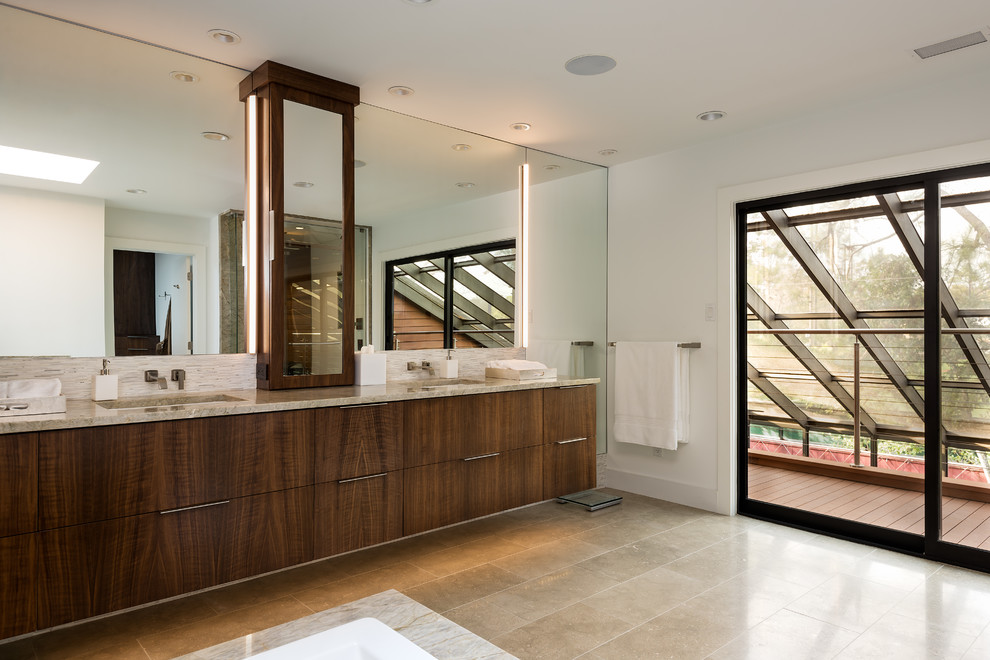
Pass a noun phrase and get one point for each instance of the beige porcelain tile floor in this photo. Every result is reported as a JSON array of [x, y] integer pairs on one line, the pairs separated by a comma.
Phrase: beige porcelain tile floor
[[646, 579]]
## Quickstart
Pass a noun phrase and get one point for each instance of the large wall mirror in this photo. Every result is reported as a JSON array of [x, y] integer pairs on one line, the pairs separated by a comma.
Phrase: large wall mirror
[[79, 92]]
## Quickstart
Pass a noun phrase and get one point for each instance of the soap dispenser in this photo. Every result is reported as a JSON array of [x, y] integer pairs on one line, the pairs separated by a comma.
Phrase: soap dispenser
[[447, 368], [105, 384]]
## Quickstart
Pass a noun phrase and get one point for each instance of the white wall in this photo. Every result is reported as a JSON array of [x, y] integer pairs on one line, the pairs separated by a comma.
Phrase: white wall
[[163, 233], [51, 273], [670, 245]]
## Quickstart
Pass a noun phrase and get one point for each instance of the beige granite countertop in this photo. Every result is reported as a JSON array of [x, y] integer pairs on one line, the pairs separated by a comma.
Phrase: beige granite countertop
[[440, 637], [84, 413]]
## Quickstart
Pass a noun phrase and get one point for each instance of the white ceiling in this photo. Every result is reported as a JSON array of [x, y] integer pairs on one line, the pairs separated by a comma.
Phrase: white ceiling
[[483, 64]]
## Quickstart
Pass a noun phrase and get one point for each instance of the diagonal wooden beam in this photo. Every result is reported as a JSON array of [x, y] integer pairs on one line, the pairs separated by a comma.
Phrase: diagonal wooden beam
[[822, 278], [803, 354], [915, 247], [779, 398]]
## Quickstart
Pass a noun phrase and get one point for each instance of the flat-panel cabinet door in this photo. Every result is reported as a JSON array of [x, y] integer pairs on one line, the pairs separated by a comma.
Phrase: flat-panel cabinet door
[[433, 496], [19, 585], [265, 533], [18, 483], [520, 478], [86, 475], [518, 419], [218, 458], [446, 428], [569, 412], [356, 513], [355, 441], [569, 467], [91, 569]]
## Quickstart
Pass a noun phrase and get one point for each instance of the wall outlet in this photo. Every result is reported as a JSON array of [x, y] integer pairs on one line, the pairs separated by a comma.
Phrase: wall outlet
[[657, 451]]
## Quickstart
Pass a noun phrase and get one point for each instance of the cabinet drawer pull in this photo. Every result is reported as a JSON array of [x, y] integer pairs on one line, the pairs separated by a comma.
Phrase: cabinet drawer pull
[[198, 506], [567, 442], [370, 476], [475, 458], [363, 405]]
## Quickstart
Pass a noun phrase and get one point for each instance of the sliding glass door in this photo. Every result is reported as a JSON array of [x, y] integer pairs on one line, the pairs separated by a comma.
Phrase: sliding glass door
[[867, 390]]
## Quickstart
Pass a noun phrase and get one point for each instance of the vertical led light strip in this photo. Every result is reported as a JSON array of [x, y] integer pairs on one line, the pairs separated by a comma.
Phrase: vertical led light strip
[[251, 228], [522, 255]]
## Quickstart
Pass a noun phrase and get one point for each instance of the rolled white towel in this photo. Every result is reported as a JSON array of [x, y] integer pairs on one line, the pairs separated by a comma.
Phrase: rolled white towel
[[515, 365], [31, 388]]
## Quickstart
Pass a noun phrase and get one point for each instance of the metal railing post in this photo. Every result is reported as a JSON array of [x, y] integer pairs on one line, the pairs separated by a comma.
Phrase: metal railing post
[[856, 430]]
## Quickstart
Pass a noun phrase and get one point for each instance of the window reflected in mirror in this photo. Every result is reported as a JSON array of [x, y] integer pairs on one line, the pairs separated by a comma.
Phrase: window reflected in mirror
[[461, 298]]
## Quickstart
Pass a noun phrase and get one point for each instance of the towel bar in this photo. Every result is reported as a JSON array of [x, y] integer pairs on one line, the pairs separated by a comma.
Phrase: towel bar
[[683, 344], [582, 343]]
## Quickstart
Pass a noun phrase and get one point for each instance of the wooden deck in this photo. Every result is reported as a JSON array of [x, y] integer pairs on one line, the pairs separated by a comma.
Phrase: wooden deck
[[966, 522]]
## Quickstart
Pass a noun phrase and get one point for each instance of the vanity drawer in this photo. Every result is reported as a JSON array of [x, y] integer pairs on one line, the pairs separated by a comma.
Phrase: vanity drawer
[[91, 569], [355, 441], [92, 474], [86, 475], [18, 483], [216, 458], [453, 491], [569, 413], [356, 513], [18, 585], [449, 428]]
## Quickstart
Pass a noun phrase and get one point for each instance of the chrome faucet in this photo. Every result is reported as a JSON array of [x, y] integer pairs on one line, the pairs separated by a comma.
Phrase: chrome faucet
[[151, 376], [424, 365], [180, 375]]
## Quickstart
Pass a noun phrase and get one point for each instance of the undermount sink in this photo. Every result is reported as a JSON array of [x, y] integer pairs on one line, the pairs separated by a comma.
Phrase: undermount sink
[[165, 400], [442, 382]]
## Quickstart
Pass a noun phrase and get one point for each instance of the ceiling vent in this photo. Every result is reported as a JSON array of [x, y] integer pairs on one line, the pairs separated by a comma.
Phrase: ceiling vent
[[950, 45]]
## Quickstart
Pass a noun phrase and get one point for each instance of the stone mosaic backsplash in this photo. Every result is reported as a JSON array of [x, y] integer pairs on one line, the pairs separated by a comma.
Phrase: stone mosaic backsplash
[[217, 372]]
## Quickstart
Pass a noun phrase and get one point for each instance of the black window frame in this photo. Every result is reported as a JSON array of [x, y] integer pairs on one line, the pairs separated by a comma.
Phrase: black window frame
[[448, 287]]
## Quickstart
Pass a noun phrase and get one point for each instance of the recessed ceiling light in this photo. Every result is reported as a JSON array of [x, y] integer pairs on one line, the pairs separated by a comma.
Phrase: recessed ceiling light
[[359, 163], [711, 115], [589, 65], [225, 37], [461, 147], [42, 165], [520, 126], [464, 184], [215, 136], [608, 152], [401, 90], [418, 2], [183, 76], [551, 168], [137, 191], [303, 184]]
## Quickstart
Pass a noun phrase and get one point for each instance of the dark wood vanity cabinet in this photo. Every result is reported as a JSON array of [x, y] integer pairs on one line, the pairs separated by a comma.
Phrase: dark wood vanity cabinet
[[471, 456], [359, 477], [569, 453], [100, 519]]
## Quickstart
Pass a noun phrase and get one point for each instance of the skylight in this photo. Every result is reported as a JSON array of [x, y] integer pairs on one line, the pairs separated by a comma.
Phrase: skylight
[[41, 165]]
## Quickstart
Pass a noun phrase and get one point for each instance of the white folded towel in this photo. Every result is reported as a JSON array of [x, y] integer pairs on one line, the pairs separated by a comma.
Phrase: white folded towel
[[651, 394], [515, 365], [31, 388]]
